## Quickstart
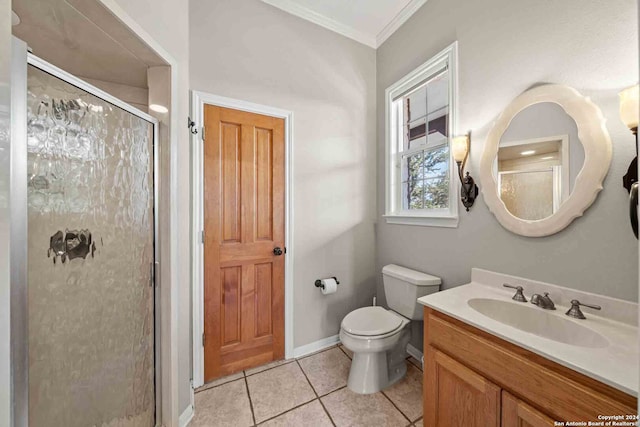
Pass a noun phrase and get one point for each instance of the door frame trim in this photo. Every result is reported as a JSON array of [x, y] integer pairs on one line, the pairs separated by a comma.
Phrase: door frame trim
[[198, 100]]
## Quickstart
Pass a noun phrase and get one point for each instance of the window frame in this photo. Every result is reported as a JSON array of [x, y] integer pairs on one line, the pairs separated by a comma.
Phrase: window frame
[[394, 214]]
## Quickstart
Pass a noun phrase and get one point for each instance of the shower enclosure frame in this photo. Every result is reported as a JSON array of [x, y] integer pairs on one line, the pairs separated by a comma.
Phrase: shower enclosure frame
[[19, 218]]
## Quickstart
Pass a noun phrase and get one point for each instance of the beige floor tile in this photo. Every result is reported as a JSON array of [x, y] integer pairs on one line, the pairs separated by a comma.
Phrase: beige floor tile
[[350, 409], [415, 362], [406, 394], [311, 414], [226, 405], [319, 351], [221, 381], [418, 423], [346, 350], [327, 371], [278, 390], [267, 366]]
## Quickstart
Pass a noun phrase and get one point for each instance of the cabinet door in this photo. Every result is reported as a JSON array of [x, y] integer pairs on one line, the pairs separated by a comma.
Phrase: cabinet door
[[455, 396], [516, 413]]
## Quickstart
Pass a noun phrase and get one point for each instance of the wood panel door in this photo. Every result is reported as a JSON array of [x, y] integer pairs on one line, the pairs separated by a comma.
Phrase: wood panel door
[[244, 201], [455, 396], [516, 413]]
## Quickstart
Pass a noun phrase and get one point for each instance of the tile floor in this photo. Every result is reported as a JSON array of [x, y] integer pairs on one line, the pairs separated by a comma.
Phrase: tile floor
[[310, 391]]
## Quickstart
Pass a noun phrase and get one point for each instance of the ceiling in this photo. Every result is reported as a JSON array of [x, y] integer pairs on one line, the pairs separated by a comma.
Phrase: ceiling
[[552, 146], [85, 39], [369, 22]]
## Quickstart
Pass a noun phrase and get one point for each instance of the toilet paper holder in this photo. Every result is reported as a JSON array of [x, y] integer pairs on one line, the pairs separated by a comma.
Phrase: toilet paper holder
[[319, 284]]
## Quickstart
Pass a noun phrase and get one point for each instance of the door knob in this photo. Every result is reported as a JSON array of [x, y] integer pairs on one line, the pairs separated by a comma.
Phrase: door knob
[[277, 251]]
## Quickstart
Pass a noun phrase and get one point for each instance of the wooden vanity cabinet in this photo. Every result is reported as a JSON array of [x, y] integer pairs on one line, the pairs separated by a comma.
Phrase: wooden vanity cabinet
[[457, 396], [472, 378], [516, 413]]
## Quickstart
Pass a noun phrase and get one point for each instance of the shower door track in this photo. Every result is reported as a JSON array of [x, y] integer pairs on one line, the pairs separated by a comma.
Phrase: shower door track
[[81, 84]]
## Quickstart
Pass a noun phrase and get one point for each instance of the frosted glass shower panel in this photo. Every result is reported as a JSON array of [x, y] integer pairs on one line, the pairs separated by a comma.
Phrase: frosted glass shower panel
[[528, 194], [90, 207]]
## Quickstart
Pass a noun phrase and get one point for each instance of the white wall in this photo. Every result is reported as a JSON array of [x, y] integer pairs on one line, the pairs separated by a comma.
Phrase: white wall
[[506, 47], [167, 22], [248, 50]]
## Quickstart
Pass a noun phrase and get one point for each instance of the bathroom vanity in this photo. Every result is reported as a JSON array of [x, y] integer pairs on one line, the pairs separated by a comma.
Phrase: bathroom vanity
[[493, 361]]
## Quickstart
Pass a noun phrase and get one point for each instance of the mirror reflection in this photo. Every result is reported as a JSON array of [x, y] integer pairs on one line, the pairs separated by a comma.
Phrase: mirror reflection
[[539, 158]]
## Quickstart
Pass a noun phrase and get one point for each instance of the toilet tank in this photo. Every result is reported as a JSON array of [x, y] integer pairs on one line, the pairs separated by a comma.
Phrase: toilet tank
[[403, 286]]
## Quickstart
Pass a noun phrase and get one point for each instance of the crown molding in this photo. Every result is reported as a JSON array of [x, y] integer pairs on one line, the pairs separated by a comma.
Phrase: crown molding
[[402, 17], [302, 12]]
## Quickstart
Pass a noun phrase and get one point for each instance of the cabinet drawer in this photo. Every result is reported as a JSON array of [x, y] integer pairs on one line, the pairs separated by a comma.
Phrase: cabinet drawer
[[564, 394]]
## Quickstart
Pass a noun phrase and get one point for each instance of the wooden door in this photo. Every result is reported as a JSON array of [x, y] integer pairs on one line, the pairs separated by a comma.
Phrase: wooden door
[[516, 413], [455, 396], [244, 224]]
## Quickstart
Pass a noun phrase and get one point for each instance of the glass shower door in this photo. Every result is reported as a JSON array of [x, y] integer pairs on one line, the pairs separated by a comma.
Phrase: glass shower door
[[90, 258]]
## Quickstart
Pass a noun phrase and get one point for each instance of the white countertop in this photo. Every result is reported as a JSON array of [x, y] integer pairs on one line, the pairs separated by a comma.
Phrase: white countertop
[[615, 365]]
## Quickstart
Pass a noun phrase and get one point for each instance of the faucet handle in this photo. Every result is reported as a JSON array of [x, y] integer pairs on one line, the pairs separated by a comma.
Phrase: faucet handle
[[575, 311], [595, 307], [519, 296]]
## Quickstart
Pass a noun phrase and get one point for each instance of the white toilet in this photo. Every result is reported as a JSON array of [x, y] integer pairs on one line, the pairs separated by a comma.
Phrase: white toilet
[[378, 337]]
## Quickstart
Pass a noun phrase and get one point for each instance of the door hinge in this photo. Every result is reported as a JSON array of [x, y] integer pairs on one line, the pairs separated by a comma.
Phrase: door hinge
[[203, 132], [203, 339], [202, 236]]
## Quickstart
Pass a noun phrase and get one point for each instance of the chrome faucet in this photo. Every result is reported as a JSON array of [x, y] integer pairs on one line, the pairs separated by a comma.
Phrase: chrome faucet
[[575, 311], [543, 301], [519, 296]]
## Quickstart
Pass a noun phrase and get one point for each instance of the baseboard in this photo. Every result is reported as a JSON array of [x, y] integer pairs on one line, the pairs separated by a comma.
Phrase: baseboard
[[316, 346], [414, 352], [186, 416]]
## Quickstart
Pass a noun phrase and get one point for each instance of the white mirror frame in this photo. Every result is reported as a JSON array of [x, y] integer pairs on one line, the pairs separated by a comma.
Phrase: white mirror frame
[[597, 158]]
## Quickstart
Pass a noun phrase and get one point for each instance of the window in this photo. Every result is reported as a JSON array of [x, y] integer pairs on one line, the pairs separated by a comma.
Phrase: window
[[420, 181]]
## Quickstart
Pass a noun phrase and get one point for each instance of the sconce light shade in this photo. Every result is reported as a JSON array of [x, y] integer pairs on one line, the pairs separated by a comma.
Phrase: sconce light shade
[[468, 189], [629, 115], [460, 148], [629, 107], [629, 112]]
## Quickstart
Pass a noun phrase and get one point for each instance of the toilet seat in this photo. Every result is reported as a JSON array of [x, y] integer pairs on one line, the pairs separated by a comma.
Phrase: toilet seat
[[372, 322]]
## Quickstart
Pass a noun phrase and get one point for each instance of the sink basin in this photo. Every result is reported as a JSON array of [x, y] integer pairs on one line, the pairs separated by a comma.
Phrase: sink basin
[[546, 324]]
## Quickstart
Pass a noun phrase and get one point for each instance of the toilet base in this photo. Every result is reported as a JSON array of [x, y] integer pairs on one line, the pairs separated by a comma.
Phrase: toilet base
[[368, 371], [373, 371]]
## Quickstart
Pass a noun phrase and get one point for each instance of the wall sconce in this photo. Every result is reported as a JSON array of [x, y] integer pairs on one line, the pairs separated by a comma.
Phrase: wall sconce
[[460, 150], [629, 115]]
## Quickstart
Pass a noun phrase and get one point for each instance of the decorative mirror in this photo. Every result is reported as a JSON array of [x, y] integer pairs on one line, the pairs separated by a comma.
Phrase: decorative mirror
[[544, 160]]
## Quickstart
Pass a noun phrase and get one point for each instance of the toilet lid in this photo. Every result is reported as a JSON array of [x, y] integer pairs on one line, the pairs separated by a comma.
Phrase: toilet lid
[[370, 321]]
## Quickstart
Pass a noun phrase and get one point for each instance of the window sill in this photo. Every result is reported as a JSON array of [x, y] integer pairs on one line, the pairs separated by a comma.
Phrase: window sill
[[425, 221]]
